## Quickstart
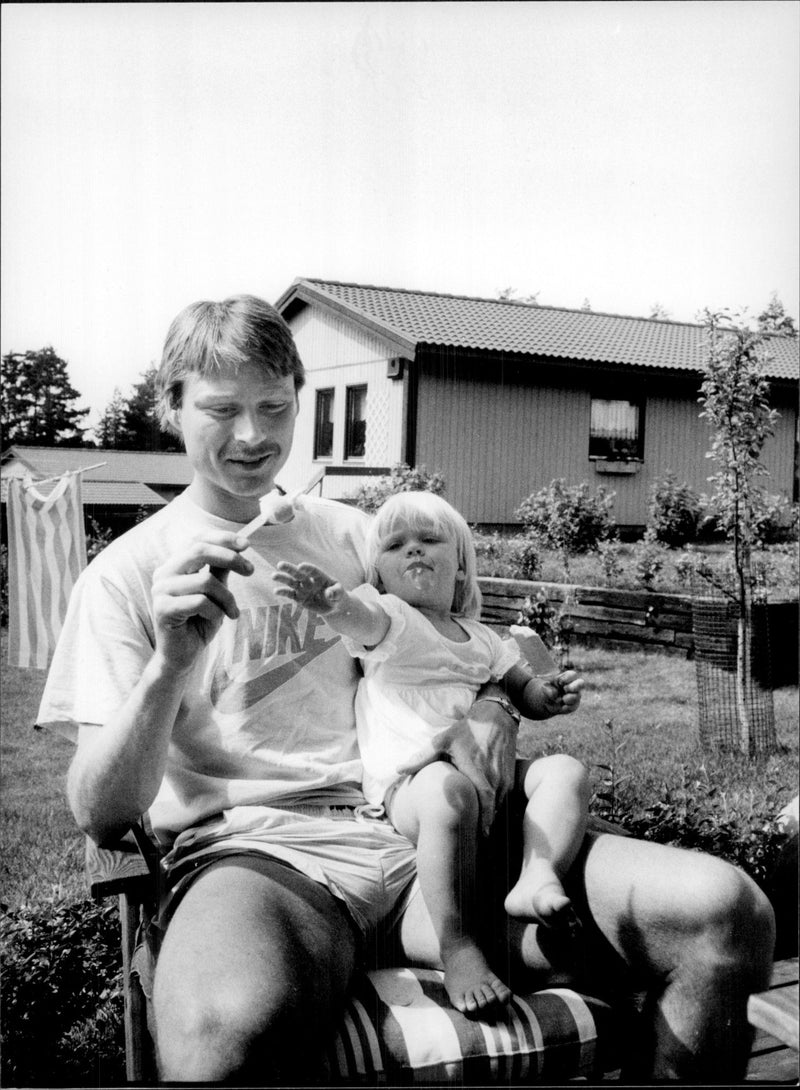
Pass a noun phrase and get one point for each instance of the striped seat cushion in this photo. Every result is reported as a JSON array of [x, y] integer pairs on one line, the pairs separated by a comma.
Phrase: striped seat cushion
[[400, 1028]]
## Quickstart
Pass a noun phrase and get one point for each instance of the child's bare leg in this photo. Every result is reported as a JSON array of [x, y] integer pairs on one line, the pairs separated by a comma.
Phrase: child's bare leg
[[437, 809], [557, 789]]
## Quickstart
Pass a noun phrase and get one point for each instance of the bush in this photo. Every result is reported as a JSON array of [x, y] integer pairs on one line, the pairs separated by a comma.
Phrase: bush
[[694, 815], [610, 555], [674, 511], [568, 519], [648, 560], [777, 521], [97, 539], [711, 808], [525, 559], [62, 995], [551, 622], [537, 612], [402, 478]]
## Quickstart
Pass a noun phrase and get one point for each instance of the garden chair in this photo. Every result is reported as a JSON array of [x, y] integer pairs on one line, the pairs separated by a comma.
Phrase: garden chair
[[399, 1027]]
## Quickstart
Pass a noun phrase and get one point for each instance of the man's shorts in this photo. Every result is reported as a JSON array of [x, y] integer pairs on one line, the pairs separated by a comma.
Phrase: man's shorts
[[358, 857]]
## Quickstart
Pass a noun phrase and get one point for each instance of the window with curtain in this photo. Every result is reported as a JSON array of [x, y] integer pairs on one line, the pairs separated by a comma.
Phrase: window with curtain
[[616, 429], [355, 436], [323, 425]]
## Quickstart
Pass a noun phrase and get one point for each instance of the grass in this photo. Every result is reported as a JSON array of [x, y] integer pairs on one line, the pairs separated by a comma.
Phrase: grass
[[40, 846], [651, 700]]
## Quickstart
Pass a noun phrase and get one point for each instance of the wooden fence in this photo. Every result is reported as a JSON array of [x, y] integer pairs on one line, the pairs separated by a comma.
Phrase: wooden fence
[[630, 618]]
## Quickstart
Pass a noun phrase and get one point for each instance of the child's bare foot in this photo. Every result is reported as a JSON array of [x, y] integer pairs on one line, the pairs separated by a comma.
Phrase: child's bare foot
[[469, 982], [545, 902]]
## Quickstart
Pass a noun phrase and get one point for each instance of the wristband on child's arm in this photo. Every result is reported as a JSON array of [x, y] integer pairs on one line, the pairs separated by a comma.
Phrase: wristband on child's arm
[[505, 704]]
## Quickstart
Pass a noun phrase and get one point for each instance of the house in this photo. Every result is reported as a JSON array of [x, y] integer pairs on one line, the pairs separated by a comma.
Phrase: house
[[503, 397], [113, 491]]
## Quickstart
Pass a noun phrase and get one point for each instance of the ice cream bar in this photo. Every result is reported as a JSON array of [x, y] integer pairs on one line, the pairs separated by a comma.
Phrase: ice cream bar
[[534, 649], [277, 507]]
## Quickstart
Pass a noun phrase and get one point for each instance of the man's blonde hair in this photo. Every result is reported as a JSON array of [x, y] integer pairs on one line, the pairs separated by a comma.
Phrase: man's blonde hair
[[207, 338]]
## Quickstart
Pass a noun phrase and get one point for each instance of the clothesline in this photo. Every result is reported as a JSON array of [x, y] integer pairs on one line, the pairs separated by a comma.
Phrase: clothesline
[[84, 469]]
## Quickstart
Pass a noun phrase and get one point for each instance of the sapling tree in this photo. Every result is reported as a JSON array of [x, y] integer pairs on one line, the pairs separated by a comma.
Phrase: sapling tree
[[735, 400]]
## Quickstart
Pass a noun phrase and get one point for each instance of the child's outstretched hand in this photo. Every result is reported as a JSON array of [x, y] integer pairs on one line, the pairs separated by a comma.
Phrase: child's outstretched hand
[[308, 586], [561, 694]]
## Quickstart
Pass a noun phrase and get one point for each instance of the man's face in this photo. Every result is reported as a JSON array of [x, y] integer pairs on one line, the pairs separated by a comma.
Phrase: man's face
[[237, 429]]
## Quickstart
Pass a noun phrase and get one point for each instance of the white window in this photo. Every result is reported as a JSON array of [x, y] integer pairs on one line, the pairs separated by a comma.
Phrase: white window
[[616, 431]]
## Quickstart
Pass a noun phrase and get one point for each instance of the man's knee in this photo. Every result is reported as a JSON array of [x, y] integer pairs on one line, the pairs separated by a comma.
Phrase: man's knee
[[205, 1034], [269, 1036], [733, 914]]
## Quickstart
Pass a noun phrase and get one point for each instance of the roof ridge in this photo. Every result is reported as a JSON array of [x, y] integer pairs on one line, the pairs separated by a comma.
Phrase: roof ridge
[[508, 302], [88, 451]]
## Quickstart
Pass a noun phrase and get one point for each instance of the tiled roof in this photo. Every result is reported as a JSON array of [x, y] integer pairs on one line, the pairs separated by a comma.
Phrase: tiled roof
[[147, 467], [111, 493], [419, 317], [120, 494]]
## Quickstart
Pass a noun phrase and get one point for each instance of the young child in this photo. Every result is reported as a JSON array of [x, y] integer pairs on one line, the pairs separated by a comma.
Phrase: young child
[[424, 657]]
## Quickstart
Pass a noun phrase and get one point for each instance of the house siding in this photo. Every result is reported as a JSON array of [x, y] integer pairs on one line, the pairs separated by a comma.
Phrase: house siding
[[497, 438], [496, 442], [336, 355]]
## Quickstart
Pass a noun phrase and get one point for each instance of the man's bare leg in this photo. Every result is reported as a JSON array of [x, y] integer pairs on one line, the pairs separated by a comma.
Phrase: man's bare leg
[[693, 930], [254, 966], [702, 931]]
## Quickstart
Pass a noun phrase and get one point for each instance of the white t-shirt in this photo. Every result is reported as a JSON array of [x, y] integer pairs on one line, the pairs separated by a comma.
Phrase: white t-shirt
[[416, 682], [267, 717]]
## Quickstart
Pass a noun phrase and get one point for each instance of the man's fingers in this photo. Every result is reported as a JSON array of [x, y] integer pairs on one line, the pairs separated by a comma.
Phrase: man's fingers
[[174, 615], [425, 756], [204, 554], [178, 595], [485, 791]]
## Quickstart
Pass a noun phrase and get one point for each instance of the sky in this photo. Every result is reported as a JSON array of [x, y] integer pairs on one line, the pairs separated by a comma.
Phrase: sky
[[624, 153]]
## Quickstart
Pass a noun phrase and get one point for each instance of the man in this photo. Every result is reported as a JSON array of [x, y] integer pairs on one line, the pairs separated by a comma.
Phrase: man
[[198, 696]]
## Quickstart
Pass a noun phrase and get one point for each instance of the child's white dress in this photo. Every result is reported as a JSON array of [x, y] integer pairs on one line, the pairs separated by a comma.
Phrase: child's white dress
[[417, 681]]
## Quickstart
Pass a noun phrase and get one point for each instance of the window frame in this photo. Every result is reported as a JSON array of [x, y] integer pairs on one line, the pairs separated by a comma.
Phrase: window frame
[[611, 455], [323, 391], [350, 423]]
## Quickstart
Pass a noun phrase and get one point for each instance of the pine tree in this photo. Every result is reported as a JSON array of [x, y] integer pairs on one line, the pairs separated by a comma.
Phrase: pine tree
[[36, 401], [110, 430], [141, 429], [774, 319]]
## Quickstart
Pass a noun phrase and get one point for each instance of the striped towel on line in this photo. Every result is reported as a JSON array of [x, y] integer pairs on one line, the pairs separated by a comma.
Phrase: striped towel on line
[[46, 554]]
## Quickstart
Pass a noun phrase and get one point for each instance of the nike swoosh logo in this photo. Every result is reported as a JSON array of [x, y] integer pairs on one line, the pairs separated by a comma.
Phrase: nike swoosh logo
[[228, 694]]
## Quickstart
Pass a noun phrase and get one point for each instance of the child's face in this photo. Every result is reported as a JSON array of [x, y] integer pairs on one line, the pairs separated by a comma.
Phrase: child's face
[[419, 565]]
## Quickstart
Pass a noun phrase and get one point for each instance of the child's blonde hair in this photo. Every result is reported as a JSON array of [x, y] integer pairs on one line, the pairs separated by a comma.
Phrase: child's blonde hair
[[422, 510]]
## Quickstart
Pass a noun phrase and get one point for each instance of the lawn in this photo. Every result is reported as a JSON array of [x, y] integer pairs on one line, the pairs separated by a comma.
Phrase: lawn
[[40, 846]]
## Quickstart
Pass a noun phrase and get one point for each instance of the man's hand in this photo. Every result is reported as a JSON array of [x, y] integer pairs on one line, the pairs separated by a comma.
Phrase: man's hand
[[483, 747], [308, 586], [191, 598]]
